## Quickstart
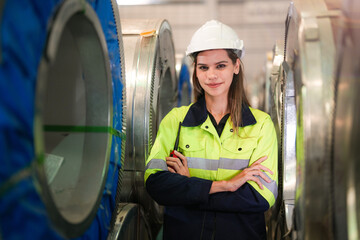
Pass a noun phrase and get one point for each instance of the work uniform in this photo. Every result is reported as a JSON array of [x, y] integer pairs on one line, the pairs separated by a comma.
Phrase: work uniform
[[191, 212]]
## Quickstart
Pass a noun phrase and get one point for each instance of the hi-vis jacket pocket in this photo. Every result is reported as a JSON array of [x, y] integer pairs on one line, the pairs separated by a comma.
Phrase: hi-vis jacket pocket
[[192, 147], [239, 148]]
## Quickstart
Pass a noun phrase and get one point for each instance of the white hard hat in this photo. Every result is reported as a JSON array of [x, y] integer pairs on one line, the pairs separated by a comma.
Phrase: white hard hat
[[215, 35]]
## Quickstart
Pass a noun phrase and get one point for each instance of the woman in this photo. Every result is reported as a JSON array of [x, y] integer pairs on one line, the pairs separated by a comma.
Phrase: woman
[[224, 175]]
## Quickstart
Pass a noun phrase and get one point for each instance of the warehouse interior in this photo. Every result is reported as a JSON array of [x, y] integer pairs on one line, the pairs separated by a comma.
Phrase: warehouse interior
[[84, 85]]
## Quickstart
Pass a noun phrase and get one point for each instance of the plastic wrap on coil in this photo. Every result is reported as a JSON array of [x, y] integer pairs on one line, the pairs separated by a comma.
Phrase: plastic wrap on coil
[[1, 10], [101, 225], [24, 33], [22, 49]]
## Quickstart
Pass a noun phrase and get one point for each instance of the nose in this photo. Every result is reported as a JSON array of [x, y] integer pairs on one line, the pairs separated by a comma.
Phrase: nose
[[211, 73]]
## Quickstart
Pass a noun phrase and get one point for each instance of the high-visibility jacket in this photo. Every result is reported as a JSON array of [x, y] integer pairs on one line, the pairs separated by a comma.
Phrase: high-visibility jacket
[[191, 212]]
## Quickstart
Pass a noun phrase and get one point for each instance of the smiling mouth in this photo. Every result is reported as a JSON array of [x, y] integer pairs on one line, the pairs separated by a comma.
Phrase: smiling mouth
[[214, 85]]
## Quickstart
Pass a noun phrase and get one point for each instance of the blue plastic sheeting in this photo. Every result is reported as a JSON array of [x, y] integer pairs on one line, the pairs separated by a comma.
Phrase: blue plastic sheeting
[[100, 227], [24, 31], [184, 78]]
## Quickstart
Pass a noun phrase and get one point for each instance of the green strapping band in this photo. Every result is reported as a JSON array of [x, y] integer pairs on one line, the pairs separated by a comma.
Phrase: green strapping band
[[89, 129], [15, 179], [26, 172]]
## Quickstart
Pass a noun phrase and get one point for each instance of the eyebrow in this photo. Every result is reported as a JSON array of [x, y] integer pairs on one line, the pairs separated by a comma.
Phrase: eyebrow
[[215, 63]]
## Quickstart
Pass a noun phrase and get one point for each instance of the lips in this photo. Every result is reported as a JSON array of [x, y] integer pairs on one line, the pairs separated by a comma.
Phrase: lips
[[214, 85]]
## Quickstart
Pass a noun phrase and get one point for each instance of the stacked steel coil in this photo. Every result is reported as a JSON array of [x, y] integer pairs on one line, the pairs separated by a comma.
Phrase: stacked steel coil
[[61, 118], [346, 131], [151, 94], [314, 103]]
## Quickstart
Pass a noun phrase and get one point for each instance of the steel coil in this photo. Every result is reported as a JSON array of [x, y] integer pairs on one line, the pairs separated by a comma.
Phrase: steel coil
[[62, 131], [304, 103], [276, 221], [151, 94], [346, 125]]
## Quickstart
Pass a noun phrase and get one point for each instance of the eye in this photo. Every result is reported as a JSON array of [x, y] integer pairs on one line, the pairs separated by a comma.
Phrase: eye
[[221, 66], [203, 68]]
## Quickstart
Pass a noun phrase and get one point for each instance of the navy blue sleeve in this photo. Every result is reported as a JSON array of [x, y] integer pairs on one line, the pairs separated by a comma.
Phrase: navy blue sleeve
[[172, 189], [245, 199]]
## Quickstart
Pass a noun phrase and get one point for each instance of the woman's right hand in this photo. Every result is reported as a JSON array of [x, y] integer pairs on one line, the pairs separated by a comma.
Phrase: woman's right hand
[[248, 174]]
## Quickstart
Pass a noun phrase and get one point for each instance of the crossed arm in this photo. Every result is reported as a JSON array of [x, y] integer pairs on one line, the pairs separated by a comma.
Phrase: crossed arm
[[179, 166]]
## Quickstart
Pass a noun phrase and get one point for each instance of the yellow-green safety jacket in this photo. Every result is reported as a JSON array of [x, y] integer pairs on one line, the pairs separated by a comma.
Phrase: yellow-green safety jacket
[[191, 212]]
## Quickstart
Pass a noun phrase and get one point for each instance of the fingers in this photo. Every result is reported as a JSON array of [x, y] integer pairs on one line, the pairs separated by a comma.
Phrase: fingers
[[257, 181], [266, 169], [257, 172], [255, 175], [257, 165], [263, 176], [260, 160], [178, 164], [250, 174], [171, 170], [182, 157], [260, 167], [173, 163]]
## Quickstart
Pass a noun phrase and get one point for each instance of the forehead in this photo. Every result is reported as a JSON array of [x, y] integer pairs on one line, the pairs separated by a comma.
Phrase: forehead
[[212, 56]]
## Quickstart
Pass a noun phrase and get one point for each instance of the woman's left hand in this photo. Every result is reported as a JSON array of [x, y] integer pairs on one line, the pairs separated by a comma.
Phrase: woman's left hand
[[178, 165]]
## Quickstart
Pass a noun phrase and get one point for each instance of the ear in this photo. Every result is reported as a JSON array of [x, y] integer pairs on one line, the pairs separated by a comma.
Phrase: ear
[[237, 66]]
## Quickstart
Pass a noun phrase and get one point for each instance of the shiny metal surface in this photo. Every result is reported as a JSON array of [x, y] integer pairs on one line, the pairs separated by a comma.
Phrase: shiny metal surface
[[288, 145], [129, 220], [303, 101], [346, 125], [275, 216], [267, 72], [311, 53], [151, 94], [73, 97], [268, 78], [282, 109], [126, 222], [276, 83]]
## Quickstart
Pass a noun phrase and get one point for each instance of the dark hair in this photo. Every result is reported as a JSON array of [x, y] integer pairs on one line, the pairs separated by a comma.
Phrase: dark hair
[[236, 97]]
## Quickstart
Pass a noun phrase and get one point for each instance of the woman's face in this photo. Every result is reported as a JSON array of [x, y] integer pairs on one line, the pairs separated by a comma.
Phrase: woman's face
[[215, 71]]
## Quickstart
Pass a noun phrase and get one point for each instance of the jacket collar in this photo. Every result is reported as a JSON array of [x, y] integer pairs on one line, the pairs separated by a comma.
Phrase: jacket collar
[[197, 114]]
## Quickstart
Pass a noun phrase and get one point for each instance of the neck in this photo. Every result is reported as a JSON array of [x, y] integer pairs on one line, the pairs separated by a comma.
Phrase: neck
[[217, 106]]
